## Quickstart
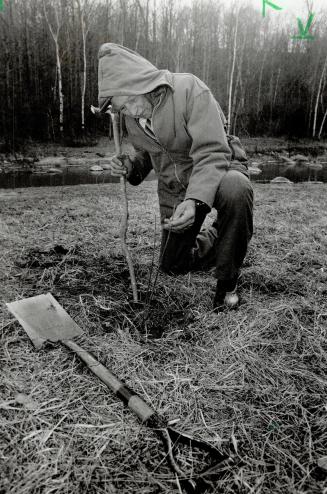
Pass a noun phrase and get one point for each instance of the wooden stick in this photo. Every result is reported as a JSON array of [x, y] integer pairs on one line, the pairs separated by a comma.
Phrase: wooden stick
[[124, 221]]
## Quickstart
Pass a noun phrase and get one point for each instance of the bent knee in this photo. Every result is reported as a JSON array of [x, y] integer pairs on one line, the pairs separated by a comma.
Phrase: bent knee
[[235, 186]]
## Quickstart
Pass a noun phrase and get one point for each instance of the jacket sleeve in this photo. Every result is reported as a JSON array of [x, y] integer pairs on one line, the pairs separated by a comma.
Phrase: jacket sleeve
[[142, 166], [209, 150]]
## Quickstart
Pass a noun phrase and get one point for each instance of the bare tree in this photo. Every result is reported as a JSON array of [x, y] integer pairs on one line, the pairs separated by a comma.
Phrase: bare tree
[[55, 30], [322, 124], [319, 90], [231, 79], [144, 27], [154, 32], [83, 12]]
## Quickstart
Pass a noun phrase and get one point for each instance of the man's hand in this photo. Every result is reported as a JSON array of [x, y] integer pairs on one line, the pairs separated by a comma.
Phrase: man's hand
[[182, 218], [120, 166]]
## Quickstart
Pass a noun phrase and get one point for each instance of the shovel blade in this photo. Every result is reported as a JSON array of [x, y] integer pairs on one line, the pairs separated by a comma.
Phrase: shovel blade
[[44, 319]]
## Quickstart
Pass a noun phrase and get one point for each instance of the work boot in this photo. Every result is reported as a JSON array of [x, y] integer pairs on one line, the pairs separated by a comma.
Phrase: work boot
[[226, 296]]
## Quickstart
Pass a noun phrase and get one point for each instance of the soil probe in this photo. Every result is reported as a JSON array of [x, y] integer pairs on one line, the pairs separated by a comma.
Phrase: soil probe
[[44, 319]]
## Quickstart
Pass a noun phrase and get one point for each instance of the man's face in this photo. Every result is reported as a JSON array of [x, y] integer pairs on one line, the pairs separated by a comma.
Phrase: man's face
[[133, 106]]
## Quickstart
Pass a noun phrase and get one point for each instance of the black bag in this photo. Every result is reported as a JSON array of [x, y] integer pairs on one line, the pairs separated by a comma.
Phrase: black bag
[[238, 151], [238, 161]]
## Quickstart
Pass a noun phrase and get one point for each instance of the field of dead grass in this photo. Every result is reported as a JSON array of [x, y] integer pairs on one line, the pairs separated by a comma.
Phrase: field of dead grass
[[254, 379]]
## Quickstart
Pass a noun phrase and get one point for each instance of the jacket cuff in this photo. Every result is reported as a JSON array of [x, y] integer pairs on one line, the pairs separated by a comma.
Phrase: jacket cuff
[[199, 203], [141, 167]]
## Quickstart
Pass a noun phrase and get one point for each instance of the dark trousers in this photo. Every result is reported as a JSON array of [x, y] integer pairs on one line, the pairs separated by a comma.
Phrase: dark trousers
[[224, 244]]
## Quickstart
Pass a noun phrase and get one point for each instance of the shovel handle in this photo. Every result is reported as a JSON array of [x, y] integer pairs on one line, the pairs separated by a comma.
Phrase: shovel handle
[[131, 399], [148, 416]]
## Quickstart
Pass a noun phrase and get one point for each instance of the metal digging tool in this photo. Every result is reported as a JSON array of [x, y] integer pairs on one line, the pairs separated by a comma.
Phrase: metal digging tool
[[43, 319]]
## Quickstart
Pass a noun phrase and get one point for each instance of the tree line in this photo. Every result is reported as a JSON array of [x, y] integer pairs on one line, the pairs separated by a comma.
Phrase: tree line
[[266, 82]]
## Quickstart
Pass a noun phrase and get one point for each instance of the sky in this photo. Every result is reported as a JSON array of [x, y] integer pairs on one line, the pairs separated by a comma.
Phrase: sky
[[296, 7], [289, 7]]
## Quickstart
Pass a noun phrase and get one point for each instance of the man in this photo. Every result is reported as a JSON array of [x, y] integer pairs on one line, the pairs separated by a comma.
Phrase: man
[[177, 128]]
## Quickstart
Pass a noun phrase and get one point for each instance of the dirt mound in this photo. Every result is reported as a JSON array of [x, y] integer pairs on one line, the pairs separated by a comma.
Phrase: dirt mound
[[70, 273]]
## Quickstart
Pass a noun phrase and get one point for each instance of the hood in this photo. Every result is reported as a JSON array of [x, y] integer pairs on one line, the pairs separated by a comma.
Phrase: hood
[[123, 72]]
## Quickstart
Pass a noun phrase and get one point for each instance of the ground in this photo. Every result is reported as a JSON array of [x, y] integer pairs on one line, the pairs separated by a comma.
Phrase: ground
[[253, 380]]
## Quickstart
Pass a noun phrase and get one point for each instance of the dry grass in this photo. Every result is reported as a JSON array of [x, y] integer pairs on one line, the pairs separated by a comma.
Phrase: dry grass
[[256, 376]]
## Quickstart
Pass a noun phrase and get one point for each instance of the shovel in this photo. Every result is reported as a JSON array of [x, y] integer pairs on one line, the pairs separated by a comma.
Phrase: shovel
[[44, 319]]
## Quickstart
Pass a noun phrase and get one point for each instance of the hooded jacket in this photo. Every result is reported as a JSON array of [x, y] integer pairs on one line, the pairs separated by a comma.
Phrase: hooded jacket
[[190, 154]]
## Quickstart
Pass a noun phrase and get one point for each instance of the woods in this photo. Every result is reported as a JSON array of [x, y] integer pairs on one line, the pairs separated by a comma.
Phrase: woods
[[267, 82]]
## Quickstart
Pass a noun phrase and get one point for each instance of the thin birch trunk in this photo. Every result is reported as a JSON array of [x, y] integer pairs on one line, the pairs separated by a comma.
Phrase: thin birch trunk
[[178, 59], [137, 29], [147, 29], [123, 16], [137, 40], [274, 97], [61, 96], [55, 34], [260, 83], [322, 124], [238, 83], [318, 97], [276, 87], [209, 56], [154, 32], [232, 77], [108, 12], [144, 22], [81, 12], [204, 61], [312, 85]]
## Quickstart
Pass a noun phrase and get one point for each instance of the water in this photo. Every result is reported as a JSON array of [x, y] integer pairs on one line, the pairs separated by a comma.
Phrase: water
[[272, 170], [71, 175], [75, 175]]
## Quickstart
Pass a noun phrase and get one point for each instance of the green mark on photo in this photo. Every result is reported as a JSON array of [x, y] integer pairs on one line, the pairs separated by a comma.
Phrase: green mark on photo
[[1, 4], [270, 4], [304, 31], [273, 426]]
